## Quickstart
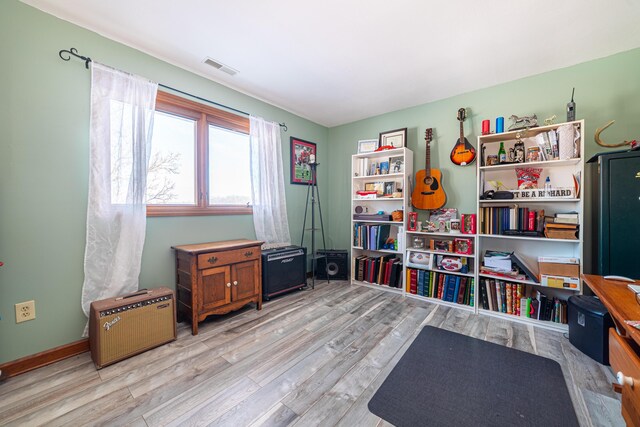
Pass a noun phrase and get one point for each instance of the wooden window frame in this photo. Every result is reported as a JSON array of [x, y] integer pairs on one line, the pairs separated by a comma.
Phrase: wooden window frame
[[204, 115]]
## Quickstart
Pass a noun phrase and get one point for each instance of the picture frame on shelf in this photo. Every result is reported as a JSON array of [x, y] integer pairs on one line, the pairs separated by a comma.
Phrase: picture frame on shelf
[[396, 164], [395, 138], [301, 152], [367, 146]]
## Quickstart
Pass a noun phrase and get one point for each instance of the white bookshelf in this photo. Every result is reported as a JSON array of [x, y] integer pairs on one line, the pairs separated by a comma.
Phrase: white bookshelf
[[529, 248], [363, 176]]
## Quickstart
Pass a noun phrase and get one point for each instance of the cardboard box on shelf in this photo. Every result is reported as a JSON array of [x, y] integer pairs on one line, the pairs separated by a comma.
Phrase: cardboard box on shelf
[[557, 269]]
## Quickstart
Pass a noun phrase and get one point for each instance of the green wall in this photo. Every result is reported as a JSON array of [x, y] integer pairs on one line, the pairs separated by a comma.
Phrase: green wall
[[44, 126], [606, 89], [44, 151]]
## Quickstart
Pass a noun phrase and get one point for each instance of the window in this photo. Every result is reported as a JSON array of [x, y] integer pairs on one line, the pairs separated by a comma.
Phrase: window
[[199, 162]]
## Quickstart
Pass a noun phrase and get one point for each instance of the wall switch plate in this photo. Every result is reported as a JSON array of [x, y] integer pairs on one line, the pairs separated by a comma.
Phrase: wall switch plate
[[25, 311]]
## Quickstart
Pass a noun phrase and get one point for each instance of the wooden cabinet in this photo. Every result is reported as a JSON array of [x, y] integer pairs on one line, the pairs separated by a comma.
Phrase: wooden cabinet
[[217, 277]]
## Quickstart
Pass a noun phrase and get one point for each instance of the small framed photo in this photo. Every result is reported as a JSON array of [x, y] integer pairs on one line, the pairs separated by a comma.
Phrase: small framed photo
[[389, 188], [394, 138], [367, 146], [396, 164], [301, 152]]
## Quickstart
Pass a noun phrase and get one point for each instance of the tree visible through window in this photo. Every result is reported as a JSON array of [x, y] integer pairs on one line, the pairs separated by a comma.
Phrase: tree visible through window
[[199, 162]]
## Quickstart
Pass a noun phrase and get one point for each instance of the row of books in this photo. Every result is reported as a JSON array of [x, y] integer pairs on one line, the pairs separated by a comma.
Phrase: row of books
[[372, 237], [501, 219], [521, 300], [381, 270], [447, 287]]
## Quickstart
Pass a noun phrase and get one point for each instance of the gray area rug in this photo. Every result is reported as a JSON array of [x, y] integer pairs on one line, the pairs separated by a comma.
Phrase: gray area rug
[[449, 379]]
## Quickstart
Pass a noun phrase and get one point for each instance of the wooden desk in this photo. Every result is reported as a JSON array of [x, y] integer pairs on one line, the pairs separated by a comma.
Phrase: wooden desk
[[624, 344]]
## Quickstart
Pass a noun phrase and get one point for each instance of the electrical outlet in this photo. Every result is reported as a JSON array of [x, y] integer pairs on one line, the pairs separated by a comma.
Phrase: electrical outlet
[[25, 311]]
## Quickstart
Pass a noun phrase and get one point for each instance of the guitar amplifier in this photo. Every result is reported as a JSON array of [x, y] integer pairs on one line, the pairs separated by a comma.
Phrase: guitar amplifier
[[124, 326], [283, 269]]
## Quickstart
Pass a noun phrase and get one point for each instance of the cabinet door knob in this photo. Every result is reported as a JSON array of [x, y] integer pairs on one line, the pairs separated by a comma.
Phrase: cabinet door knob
[[212, 260], [248, 254], [228, 285], [235, 283], [623, 379]]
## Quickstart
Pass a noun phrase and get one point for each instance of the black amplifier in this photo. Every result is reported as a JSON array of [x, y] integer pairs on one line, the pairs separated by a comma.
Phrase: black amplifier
[[283, 269]]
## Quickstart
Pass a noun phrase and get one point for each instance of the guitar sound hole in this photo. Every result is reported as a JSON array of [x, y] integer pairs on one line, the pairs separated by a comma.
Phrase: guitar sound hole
[[431, 182]]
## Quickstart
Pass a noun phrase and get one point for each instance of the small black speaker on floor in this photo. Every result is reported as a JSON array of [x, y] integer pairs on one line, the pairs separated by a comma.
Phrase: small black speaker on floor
[[333, 266]]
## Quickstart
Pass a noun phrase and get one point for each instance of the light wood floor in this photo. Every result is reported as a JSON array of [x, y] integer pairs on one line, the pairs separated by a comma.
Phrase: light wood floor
[[313, 357]]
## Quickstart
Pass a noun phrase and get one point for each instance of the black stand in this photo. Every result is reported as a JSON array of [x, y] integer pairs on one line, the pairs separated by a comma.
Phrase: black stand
[[312, 189]]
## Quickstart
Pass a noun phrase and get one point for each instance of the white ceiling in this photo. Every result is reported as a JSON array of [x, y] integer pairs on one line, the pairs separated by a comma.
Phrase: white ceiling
[[337, 61]]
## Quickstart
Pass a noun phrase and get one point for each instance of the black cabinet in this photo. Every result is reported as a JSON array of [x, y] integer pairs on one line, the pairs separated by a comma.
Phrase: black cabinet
[[617, 197]]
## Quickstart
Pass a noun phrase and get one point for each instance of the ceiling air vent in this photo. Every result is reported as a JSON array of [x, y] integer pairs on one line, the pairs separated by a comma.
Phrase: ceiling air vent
[[220, 66]]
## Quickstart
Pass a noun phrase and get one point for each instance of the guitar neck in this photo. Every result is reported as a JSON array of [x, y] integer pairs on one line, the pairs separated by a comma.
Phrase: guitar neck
[[427, 160], [461, 132]]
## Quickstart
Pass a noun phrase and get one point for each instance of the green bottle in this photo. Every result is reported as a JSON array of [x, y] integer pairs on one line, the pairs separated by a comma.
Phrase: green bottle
[[502, 155]]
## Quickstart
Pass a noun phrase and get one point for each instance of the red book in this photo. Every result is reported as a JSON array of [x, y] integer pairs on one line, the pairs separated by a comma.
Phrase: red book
[[461, 294], [440, 285], [531, 223]]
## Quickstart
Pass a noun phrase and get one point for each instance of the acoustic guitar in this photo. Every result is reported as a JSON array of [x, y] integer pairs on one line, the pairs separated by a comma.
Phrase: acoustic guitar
[[428, 192], [463, 152]]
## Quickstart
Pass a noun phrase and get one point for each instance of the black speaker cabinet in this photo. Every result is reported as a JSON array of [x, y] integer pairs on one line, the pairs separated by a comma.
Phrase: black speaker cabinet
[[334, 265], [283, 269]]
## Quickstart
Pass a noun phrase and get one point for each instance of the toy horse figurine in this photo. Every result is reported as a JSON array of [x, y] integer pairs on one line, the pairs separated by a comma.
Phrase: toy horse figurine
[[523, 122]]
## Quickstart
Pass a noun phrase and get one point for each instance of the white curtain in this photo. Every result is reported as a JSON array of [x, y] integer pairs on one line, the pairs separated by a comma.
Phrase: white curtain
[[122, 109], [267, 184]]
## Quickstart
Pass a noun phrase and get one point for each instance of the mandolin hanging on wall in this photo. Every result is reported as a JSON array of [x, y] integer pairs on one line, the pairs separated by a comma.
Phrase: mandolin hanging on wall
[[463, 152]]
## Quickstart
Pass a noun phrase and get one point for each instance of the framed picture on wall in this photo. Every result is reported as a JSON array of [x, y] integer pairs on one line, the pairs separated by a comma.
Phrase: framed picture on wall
[[301, 152]]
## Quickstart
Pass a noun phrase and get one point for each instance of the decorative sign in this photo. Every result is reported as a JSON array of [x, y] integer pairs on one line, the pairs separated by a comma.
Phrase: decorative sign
[[541, 193]]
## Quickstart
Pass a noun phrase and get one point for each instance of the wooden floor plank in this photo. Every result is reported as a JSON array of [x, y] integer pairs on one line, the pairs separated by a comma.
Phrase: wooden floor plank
[[313, 357]]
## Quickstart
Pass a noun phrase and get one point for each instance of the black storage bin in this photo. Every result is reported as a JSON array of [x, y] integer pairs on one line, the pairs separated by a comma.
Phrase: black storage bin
[[589, 323]]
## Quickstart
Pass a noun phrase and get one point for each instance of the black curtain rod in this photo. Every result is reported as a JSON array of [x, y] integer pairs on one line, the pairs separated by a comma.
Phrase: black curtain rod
[[73, 52]]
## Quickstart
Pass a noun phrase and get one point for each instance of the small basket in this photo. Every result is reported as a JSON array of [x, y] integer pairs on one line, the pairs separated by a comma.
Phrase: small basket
[[397, 215]]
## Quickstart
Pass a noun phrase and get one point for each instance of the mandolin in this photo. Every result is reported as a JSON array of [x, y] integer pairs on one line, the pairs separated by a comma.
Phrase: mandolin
[[428, 192], [463, 152]]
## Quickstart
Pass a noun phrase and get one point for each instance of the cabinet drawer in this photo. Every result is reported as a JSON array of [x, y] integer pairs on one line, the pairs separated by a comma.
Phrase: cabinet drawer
[[626, 359], [216, 259]]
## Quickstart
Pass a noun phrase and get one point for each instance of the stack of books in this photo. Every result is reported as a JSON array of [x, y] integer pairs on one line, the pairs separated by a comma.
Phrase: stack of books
[[562, 226], [509, 220]]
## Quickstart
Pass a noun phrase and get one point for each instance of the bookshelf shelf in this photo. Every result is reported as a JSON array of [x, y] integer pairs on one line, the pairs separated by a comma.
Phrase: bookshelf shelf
[[527, 201], [380, 199], [544, 164], [530, 213], [369, 235], [376, 286], [429, 251], [436, 233], [441, 302], [398, 223], [560, 327], [542, 239], [378, 177], [381, 154]]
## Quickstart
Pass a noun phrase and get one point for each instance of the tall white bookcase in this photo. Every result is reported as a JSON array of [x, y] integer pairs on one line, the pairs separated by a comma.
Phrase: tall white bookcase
[[366, 173], [561, 173]]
